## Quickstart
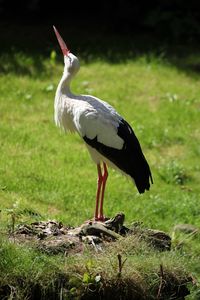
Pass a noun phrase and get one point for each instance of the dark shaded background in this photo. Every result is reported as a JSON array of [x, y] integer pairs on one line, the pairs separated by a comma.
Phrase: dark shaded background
[[112, 29], [175, 19]]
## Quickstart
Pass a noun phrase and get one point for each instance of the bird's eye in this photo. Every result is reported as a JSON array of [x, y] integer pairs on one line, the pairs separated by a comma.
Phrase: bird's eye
[[70, 59]]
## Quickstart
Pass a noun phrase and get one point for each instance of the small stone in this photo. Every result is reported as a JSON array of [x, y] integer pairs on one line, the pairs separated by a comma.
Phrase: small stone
[[186, 228]]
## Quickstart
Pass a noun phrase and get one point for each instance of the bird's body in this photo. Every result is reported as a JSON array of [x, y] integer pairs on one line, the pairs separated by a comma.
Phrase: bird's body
[[108, 137], [90, 118]]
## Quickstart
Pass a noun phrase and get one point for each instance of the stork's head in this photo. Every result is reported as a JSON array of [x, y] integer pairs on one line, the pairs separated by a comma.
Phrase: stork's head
[[71, 61]]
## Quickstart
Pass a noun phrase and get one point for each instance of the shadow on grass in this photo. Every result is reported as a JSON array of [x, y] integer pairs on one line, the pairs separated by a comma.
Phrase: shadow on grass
[[24, 49]]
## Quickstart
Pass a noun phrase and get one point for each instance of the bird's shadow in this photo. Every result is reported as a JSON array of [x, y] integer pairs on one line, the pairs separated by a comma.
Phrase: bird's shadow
[[26, 52]]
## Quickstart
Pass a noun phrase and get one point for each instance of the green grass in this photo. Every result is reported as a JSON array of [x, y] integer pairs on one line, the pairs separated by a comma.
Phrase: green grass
[[32, 275], [45, 174], [41, 165]]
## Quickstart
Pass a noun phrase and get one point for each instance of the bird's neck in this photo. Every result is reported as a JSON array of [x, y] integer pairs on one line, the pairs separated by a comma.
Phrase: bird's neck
[[64, 85]]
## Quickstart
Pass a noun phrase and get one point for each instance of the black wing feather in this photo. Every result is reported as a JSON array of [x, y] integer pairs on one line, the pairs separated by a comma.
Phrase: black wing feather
[[129, 159]]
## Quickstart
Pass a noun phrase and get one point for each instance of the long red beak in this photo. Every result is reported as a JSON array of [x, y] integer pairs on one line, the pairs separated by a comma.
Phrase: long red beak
[[62, 44]]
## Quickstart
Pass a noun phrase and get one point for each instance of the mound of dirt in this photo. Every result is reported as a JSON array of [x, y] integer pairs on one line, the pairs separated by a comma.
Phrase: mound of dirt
[[53, 237]]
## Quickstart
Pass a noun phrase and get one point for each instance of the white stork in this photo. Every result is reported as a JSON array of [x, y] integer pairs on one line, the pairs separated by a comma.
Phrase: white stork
[[108, 137]]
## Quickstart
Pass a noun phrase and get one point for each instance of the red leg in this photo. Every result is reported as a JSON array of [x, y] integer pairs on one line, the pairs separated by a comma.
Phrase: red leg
[[99, 184], [104, 179]]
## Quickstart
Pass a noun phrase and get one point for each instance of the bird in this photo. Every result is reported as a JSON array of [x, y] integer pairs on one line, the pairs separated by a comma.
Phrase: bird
[[108, 137]]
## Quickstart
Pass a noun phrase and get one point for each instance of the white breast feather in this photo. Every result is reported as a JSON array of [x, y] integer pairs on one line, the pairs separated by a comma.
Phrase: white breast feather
[[63, 113]]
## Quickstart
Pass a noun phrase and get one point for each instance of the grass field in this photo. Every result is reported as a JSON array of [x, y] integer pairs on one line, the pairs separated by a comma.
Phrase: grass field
[[45, 174]]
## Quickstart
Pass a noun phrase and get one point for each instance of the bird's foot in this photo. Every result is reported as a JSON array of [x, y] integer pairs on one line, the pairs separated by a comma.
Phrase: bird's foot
[[97, 219], [100, 218]]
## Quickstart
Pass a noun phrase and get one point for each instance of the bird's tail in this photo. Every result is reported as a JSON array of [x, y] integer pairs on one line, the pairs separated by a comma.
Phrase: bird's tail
[[141, 175]]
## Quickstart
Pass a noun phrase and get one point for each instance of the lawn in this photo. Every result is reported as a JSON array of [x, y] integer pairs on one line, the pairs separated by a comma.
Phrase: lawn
[[45, 174]]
